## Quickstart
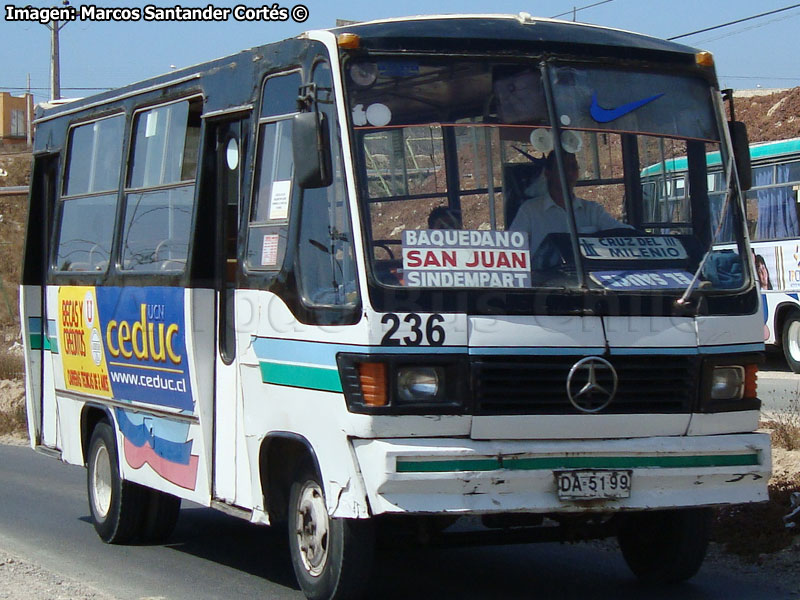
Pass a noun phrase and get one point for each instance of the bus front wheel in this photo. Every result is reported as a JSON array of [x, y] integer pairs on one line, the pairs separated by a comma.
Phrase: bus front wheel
[[116, 505], [665, 546], [331, 557], [791, 342]]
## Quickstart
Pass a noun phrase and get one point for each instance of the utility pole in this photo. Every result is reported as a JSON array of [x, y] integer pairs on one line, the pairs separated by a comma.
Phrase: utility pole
[[55, 68], [28, 111]]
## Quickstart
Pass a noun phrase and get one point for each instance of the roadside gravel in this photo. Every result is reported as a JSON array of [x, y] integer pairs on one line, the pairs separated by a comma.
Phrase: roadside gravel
[[22, 580]]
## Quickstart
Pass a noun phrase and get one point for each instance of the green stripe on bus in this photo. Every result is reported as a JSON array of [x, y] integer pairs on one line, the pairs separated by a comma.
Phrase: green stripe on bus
[[446, 466], [36, 341], [50, 344], [547, 463], [303, 376]]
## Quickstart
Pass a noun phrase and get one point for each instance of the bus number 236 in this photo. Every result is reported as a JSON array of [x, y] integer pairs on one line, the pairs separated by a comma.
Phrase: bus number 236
[[433, 334]]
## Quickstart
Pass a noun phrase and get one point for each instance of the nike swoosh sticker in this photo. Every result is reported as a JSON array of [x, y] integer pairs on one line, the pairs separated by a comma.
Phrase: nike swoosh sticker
[[606, 115]]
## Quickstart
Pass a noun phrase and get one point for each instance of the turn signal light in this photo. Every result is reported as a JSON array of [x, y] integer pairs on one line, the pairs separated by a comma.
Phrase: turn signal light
[[372, 376], [750, 381]]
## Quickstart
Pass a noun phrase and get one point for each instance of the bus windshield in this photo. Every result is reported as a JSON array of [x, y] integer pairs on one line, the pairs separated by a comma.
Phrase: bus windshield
[[465, 181]]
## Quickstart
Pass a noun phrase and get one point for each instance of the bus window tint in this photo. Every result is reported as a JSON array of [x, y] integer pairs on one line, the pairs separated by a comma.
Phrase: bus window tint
[[87, 227], [95, 155], [326, 255], [159, 145], [280, 94], [275, 172], [90, 198], [273, 191], [157, 229], [158, 204]]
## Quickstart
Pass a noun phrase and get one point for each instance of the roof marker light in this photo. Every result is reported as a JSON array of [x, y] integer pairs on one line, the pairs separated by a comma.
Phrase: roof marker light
[[348, 41], [704, 59]]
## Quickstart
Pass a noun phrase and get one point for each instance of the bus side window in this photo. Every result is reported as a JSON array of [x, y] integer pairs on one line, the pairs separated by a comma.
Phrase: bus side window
[[160, 188], [272, 198], [772, 202], [89, 196], [326, 262]]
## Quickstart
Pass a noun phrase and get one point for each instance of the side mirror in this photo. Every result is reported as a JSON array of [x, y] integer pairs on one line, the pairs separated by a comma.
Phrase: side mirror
[[311, 148], [741, 153]]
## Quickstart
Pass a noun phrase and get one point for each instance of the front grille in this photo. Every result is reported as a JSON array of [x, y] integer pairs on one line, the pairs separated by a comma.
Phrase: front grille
[[536, 385]]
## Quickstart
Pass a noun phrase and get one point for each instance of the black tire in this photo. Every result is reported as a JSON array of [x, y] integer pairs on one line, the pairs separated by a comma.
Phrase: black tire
[[790, 340], [332, 558], [116, 506], [665, 546], [160, 516]]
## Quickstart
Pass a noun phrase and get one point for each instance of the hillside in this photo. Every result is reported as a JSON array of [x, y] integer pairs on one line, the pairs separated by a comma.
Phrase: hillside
[[770, 117]]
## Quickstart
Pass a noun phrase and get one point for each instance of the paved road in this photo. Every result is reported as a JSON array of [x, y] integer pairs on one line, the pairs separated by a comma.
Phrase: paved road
[[43, 518]]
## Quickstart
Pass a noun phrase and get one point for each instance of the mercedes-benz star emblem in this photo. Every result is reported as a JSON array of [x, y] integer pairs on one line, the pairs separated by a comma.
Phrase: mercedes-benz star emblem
[[591, 384]]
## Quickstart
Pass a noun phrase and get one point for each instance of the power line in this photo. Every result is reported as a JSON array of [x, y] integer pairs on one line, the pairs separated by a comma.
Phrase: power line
[[574, 10], [772, 12]]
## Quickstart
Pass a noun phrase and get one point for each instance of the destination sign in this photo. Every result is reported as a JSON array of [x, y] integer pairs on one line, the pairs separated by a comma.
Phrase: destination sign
[[656, 247], [660, 279], [462, 258]]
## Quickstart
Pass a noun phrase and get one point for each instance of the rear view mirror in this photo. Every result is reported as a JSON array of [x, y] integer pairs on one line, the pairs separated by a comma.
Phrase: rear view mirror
[[741, 153], [311, 148]]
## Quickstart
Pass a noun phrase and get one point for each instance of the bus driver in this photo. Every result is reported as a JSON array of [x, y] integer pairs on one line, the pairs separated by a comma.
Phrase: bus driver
[[545, 214]]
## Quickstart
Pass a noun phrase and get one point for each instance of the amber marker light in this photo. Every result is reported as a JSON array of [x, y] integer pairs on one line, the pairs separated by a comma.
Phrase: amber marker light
[[704, 59], [348, 41], [750, 381], [372, 376]]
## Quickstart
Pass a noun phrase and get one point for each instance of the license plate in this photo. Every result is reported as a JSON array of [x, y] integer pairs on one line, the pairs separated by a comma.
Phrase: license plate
[[593, 484]]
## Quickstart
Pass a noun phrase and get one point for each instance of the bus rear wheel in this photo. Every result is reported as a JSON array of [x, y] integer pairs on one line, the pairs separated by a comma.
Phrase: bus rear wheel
[[665, 546], [331, 557], [791, 342], [116, 506]]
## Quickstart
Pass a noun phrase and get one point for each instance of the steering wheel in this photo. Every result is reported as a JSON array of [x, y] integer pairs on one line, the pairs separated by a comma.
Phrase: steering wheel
[[385, 246]]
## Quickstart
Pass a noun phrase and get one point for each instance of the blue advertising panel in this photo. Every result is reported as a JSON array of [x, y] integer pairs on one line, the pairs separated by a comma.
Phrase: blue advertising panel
[[145, 345]]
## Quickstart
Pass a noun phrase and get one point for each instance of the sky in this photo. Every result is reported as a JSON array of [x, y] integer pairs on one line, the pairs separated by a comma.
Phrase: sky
[[752, 54]]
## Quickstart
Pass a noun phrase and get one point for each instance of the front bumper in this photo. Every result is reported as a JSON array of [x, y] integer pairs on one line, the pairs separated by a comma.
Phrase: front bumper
[[427, 476]]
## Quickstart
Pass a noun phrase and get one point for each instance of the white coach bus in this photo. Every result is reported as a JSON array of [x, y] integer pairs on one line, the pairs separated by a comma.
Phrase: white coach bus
[[309, 285]]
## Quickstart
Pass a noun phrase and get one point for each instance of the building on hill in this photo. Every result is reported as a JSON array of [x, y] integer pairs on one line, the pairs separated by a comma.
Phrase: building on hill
[[16, 114]]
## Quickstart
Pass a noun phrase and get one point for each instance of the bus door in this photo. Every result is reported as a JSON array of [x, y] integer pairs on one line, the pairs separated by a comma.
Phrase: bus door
[[40, 332], [228, 136]]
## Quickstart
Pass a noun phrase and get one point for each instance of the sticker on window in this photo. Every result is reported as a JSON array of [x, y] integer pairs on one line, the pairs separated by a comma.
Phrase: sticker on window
[[279, 199], [269, 250], [633, 248], [451, 258], [151, 125], [659, 279]]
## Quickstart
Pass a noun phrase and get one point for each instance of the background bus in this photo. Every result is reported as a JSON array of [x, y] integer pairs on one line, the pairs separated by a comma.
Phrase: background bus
[[772, 222]]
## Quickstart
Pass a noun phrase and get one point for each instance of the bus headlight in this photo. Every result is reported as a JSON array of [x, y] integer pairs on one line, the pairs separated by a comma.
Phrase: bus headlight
[[405, 384], [419, 384], [727, 383]]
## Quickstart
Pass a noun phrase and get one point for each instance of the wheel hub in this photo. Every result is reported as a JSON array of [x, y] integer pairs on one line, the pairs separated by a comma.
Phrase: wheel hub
[[101, 482], [794, 340], [312, 529]]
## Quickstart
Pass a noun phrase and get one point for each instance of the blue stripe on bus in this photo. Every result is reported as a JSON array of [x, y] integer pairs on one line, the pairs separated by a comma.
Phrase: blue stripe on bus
[[690, 350], [323, 354], [533, 351], [732, 348]]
